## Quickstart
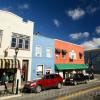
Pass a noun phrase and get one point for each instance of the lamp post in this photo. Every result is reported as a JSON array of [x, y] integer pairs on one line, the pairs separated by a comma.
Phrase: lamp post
[[15, 57]]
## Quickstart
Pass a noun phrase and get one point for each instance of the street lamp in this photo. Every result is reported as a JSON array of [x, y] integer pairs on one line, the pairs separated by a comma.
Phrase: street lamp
[[16, 52], [15, 57]]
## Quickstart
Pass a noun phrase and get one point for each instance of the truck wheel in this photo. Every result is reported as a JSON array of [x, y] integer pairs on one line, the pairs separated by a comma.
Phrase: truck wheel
[[38, 89], [59, 85]]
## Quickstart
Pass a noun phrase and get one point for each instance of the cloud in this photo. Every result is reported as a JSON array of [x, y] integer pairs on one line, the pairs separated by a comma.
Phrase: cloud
[[76, 13], [79, 35], [93, 44], [98, 29], [56, 22], [91, 10], [24, 6]]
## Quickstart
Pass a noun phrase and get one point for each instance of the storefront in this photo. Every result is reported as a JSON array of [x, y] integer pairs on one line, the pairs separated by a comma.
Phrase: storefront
[[66, 69], [69, 58], [8, 66], [42, 57]]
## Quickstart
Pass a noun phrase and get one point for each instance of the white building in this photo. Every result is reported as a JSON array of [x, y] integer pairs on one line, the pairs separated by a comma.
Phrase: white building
[[14, 32]]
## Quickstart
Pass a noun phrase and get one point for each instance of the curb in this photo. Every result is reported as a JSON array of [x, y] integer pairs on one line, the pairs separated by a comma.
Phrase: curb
[[93, 80], [9, 97]]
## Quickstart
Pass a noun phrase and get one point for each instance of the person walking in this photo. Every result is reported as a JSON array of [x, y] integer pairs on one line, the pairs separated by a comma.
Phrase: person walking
[[4, 81]]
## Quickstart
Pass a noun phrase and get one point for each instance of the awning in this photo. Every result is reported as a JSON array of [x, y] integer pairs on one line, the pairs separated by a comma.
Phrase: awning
[[57, 50], [9, 64], [64, 51], [70, 66]]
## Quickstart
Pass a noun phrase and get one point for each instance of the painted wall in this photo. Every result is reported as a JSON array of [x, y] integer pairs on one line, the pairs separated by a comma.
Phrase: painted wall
[[69, 47], [47, 63], [9, 23], [92, 58]]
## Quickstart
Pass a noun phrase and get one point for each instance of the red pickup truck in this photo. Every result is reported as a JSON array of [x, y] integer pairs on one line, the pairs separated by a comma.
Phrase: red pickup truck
[[48, 81]]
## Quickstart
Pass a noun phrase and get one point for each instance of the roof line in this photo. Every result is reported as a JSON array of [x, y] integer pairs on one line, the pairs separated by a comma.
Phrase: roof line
[[68, 42]]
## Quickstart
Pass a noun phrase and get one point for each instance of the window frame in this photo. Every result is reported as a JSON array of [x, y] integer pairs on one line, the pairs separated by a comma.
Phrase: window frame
[[1, 34], [24, 38], [40, 50], [50, 54]]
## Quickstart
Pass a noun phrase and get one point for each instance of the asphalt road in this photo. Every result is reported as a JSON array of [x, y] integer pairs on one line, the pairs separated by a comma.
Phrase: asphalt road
[[91, 94], [55, 94]]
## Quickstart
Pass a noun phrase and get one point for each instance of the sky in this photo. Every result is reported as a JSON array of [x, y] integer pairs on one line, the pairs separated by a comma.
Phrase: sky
[[75, 21]]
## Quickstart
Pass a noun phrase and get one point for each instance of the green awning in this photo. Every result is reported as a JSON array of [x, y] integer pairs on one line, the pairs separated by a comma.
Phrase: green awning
[[70, 66]]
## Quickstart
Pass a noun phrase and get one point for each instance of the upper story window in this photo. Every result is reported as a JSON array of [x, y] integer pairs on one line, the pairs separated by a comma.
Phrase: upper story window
[[57, 53], [1, 32], [22, 41], [80, 55], [48, 52], [27, 41], [64, 52], [13, 43], [38, 51]]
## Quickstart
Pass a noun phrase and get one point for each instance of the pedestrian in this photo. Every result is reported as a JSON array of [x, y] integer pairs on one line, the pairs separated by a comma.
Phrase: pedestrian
[[4, 81]]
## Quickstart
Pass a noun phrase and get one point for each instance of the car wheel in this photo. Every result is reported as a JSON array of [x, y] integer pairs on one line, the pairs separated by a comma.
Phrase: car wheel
[[75, 83], [59, 85], [38, 89]]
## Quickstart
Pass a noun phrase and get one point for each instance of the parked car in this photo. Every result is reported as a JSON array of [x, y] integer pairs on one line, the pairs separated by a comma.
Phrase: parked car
[[48, 81], [76, 78], [89, 76]]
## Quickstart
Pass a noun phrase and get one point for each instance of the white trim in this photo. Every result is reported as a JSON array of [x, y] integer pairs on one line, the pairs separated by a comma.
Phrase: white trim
[[40, 51], [36, 69], [51, 52], [68, 42]]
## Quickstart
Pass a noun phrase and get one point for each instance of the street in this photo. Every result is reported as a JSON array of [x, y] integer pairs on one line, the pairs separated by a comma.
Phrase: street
[[58, 94]]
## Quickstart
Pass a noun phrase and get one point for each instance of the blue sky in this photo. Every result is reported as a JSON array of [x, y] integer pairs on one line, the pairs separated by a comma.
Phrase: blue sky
[[76, 21]]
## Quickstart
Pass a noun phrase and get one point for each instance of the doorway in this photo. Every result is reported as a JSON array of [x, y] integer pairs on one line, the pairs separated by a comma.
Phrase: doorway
[[25, 64]]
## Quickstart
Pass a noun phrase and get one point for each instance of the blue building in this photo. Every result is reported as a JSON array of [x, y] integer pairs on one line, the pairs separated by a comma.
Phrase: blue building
[[42, 56]]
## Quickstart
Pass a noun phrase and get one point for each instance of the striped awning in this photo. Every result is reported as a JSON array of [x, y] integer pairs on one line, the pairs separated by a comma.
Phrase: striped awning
[[9, 64]]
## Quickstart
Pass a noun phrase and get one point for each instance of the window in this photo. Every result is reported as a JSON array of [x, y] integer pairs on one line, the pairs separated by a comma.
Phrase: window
[[80, 55], [72, 54], [22, 41], [38, 51], [13, 43], [64, 52], [57, 53], [48, 52], [1, 37], [39, 71], [27, 44]]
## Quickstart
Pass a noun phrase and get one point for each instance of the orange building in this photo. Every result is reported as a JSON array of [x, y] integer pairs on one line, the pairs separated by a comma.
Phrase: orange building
[[68, 58]]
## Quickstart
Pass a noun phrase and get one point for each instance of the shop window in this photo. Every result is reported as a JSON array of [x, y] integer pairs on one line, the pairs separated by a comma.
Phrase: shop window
[[48, 52], [1, 37], [39, 71], [38, 51]]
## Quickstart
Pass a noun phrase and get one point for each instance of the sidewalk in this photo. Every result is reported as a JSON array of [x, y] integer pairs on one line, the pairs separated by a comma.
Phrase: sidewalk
[[4, 95], [11, 96]]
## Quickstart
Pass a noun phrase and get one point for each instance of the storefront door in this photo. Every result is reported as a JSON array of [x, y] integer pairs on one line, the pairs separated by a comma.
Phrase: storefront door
[[25, 70]]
